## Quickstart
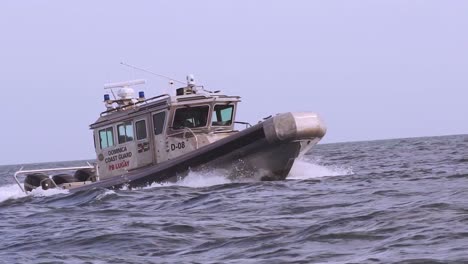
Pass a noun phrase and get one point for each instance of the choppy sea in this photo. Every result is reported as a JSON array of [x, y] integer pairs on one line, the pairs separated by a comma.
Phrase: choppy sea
[[389, 201]]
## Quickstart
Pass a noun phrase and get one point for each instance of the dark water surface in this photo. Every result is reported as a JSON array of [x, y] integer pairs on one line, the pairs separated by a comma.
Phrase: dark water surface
[[392, 201]]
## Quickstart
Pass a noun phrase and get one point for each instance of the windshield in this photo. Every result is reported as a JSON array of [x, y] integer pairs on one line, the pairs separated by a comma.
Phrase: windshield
[[191, 117], [222, 115]]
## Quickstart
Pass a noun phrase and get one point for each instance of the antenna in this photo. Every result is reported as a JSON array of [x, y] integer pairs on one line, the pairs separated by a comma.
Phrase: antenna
[[150, 72]]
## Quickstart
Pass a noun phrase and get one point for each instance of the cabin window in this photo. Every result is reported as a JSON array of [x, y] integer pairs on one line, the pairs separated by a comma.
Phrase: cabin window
[[106, 137], [125, 132], [191, 117], [158, 122], [222, 115], [140, 129]]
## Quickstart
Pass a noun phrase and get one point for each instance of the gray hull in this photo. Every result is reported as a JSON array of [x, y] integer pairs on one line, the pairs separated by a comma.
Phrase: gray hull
[[265, 151], [286, 137]]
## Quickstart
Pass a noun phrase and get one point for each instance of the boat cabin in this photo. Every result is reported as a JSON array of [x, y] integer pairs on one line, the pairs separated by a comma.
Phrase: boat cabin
[[138, 132]]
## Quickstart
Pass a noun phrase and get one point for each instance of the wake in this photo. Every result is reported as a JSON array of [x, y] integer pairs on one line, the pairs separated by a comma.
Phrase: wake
[[197, 180], [302, 169], [12, 191], [306, 169]]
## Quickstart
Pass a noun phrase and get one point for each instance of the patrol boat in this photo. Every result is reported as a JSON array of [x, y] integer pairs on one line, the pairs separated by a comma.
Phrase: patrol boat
[[140, 141]]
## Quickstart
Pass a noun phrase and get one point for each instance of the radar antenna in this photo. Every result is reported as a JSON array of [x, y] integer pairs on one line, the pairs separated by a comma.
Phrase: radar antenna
[[125, 93]]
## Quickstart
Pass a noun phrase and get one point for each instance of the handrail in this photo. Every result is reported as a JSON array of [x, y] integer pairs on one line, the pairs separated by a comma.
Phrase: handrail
[[195, 136], [21, 171], [247, 124], [133, 104]]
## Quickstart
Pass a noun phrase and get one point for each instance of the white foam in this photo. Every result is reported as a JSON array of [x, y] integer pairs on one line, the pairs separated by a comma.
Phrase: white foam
[[39, 192], [106, 193], [13, 191], [301, 170], [306, 169], [197, 180]]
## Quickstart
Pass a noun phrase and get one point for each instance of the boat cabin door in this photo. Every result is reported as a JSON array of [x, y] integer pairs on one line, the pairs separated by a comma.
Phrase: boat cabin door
[[144, 150], [160, 139]]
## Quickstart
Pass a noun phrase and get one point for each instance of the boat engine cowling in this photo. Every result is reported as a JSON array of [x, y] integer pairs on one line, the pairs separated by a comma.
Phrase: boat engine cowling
[[35, 180], [63, 178], [85, 175]]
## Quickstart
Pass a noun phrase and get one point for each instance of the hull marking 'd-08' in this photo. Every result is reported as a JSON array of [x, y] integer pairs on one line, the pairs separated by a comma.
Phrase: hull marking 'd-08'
[[180, 145]]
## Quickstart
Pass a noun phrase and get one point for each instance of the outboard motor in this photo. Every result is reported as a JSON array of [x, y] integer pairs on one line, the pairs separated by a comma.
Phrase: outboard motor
[[63, 178], [35, 180], [85, 175]]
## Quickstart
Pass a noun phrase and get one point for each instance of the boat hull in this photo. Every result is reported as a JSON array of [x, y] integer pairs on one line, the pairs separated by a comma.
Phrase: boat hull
[[265, 151]]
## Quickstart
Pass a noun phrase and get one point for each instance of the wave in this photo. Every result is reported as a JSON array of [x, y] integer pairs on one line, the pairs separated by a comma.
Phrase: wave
[[304, 168], [12, 191], [197, 180], [104, 194]]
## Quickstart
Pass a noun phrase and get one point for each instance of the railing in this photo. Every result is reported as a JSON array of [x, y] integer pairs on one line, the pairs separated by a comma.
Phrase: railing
[[133, 104], [247, 124], [21, 171]]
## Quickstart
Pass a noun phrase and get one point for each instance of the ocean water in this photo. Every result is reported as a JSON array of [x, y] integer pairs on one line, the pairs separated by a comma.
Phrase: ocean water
[[390, 201]]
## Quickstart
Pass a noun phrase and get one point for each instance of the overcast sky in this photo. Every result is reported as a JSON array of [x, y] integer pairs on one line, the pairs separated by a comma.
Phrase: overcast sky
[[372, 69]]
